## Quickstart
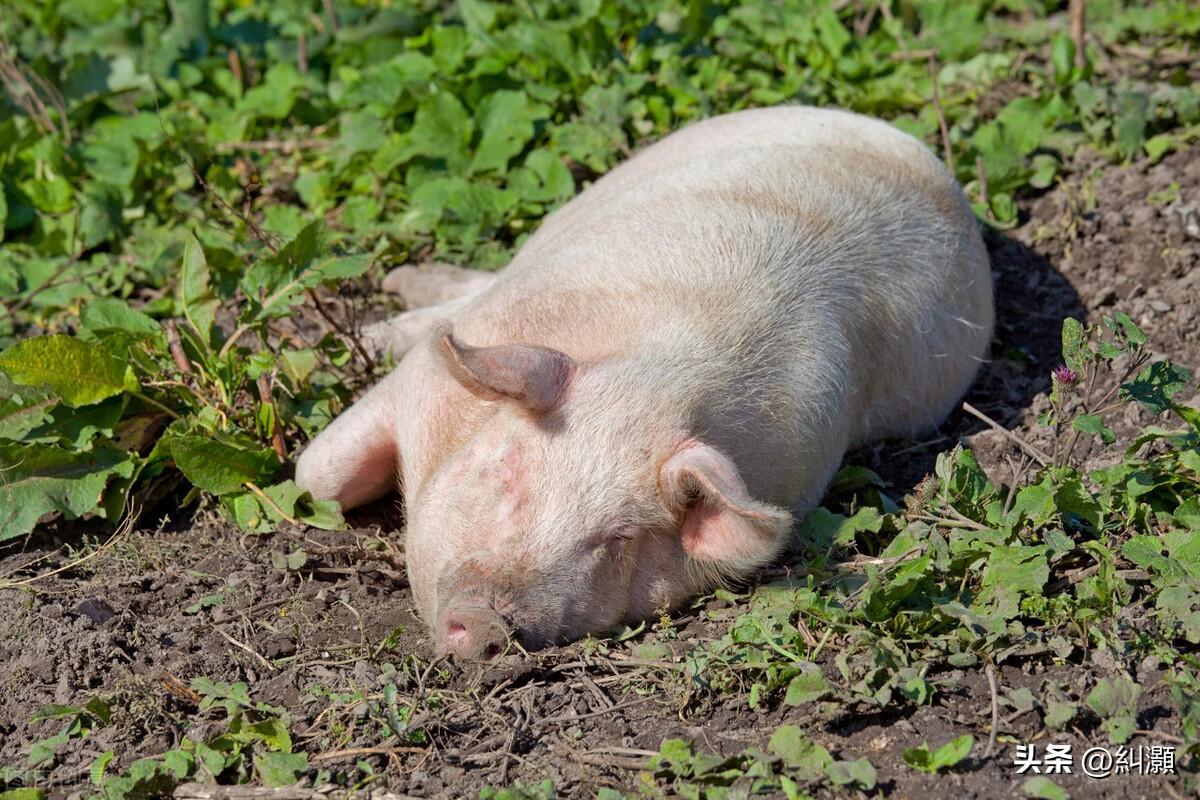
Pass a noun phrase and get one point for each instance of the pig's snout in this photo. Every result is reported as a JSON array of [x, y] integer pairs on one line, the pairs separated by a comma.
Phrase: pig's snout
[[473, 633]]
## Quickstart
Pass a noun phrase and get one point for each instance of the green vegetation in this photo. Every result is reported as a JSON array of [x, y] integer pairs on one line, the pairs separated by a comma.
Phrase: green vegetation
[[183, 185], [179, 178], [252, 743]]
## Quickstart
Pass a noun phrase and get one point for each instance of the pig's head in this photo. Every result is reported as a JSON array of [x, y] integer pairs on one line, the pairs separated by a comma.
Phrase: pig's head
[[581, 500]]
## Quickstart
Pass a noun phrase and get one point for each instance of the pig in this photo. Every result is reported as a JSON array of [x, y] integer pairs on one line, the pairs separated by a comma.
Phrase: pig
[[666, 376]]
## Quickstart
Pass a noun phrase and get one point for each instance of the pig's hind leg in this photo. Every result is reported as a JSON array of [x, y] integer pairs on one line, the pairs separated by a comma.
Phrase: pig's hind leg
[[435, 283], [432, 296]]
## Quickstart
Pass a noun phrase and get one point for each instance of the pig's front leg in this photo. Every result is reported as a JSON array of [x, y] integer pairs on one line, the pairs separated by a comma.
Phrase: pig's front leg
[[356, 459]]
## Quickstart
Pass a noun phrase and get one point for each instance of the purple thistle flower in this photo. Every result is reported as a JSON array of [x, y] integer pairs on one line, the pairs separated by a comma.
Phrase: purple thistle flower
[[1064, 375]]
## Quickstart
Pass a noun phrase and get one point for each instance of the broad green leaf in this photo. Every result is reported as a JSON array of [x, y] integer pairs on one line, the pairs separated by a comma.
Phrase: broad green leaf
[[362, 132], [1041, 787], [1128, 328], [79, 428], [1062, 56], [1131, 119], [178, 763], [106, 315], [946, 756], [23, 409], [79, 372], [41, 479], [219, 467], [822, 528], [860, 772], [1059, 712], [506, 119], [1146, 552], [1094, 424], [886, 593], [195, 296], [807, 686], [1035, 504], [96, 773], [282, 279], [1154, 387], [806, 758], [1115, 701], [24, 793], [442, 129], [280, 769], [1073, 348]]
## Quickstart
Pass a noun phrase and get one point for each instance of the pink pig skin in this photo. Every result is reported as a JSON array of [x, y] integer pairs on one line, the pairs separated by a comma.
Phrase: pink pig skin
[[667, 375]]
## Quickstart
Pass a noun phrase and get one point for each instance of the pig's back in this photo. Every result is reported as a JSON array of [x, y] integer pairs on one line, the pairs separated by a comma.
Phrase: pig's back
[[815, 246]]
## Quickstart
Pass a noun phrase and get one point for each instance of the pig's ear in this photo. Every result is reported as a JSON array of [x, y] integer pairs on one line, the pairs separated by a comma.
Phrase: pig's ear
[[356, 459], [534, 377], [720, 521]]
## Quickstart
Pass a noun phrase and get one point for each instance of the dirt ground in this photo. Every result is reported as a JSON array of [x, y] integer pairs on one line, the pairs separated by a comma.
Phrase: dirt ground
[[194, 597]]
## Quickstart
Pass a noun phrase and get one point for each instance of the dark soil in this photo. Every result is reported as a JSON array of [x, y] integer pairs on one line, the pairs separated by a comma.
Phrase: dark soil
[[153, 609]]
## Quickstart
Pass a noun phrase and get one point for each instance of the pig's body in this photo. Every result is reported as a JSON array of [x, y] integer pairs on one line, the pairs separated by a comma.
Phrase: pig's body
[[737, 305]]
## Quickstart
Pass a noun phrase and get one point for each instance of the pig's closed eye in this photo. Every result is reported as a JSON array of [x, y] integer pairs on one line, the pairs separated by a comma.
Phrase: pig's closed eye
[[614, 541]]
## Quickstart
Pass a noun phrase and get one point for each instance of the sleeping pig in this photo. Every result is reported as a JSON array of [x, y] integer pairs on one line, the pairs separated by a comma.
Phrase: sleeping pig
[[666, 376]]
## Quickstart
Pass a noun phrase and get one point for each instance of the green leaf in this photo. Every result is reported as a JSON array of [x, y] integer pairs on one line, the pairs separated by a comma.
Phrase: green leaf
[[207, 601], [1073, 347], [506, 119], [23, 410], [280, 280], [822, 528], [1129, 130], [98, 766], [40, 479], [860, 771], [194, 295], [219, 467], [1042, 787], [1094, 424], [107, 315], [55, 711], [806, 687], [1115, 701], [442, 129], [1127, 328], [543, 178], [280, 769], [79, 372], [78, 428], [179, 763], [832, 34], [885, 594], [798, 752], [24, 793], [1035, 503], [1059, 713], [944, 757], [1153, 388], [1062, 56]]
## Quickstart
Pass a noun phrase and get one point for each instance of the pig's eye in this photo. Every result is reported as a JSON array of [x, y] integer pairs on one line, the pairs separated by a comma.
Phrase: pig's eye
[[614, 541]]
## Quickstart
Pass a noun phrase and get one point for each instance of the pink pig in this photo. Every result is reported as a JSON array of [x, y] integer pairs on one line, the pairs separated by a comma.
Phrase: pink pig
[[667, 375]]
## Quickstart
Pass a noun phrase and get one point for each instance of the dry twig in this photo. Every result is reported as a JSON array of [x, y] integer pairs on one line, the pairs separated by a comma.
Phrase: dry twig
[[1078, 13], [941, 115], [1032, 451], [991, 745]]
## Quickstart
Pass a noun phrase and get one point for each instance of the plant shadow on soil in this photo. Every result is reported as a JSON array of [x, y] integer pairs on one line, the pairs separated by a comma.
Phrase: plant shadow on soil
[[1031, 300]]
